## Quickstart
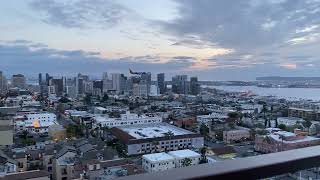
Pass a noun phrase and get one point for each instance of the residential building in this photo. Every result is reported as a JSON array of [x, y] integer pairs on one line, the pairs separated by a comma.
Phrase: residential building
[[212, 118], [152, 138], [125, 119], [161, 83], [157, 162], [236, 135], [307, 114], [57, 83], [19, 81], [290, 121], [180, 84], [34, 123], [3, 83], [181, 155], [7, 165], [173, 159], [116, 80], [279, 140], [194, 86], [64, 164]]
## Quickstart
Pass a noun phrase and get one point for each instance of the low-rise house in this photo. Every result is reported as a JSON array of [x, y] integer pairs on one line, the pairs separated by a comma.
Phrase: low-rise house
[[181, 155], [172, 159], [236, 135], [64, 163], [279, 140], [212, 118], [7, 165], [111, 169], [157, 162], [28, 175]]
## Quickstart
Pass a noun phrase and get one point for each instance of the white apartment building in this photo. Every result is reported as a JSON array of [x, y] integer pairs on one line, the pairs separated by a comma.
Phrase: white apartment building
[[163, 161], [125, 119], [35, 123], [157, 162], [180, 155], [208, 119]]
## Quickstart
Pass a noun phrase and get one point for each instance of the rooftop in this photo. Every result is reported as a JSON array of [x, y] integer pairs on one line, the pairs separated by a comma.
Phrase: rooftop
[[156, 157], [255, 167], [183, 153], [145, 131]]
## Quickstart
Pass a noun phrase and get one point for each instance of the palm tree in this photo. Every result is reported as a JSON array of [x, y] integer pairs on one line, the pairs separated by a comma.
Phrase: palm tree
[[186, 162]]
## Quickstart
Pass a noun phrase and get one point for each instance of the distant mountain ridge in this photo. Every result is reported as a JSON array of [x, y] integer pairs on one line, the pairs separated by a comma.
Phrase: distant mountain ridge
[[280, 78]]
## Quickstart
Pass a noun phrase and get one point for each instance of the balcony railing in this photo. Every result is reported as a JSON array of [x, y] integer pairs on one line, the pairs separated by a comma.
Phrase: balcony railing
[[255, 167]]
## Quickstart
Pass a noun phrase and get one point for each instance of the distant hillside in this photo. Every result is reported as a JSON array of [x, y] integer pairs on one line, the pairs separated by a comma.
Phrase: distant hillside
[[279, 78]]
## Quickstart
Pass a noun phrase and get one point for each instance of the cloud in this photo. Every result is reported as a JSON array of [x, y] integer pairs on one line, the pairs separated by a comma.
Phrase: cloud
[[246, 25], [21, 57], [289, 66], [81, 13]]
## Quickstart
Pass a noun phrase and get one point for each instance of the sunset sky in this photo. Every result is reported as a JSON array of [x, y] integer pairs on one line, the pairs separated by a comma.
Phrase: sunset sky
[[212, 39]]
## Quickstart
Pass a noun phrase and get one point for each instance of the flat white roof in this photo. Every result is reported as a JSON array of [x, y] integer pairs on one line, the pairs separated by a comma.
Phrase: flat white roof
[[290, 118], [186, 153], [306, 138], [101, 108], [156, 157], [144, 131]]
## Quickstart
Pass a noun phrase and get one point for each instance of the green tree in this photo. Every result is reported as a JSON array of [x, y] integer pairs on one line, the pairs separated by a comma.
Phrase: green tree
[[307, 124], [87, 99], [105, 98], [60, 108], [75, 131], [64, 100], [186, 162], [317, 128], [203, 155], [282, 126], [234, 115], [204, 130]]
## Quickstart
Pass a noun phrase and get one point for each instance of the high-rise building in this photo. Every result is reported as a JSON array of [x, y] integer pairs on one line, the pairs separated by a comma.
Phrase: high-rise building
[[116, 82], [40, 82], [71, 91], [123, 83], [194, 86], [3, 83], [107, 84], [146, 80], [105, 76], [79, 85], [47, 79], [57, 83], [161, 83], [18, 80], [180, 84], [88, 87], [98, 86]]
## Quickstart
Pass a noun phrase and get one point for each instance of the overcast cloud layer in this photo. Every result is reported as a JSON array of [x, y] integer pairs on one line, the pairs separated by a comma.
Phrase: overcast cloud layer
[[213, 39]]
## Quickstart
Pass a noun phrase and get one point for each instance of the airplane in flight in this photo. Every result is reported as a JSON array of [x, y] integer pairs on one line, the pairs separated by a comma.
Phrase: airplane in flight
[[137, 73]]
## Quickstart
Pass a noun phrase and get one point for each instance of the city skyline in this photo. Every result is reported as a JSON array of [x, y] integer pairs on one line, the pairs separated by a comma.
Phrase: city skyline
[[175, 37]]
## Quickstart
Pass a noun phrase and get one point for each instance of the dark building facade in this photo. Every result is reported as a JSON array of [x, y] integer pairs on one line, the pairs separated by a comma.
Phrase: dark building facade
[[194, 86], [161, 83]]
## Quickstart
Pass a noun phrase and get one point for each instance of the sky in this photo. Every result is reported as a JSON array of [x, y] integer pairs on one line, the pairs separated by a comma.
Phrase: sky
[[211, 39]]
